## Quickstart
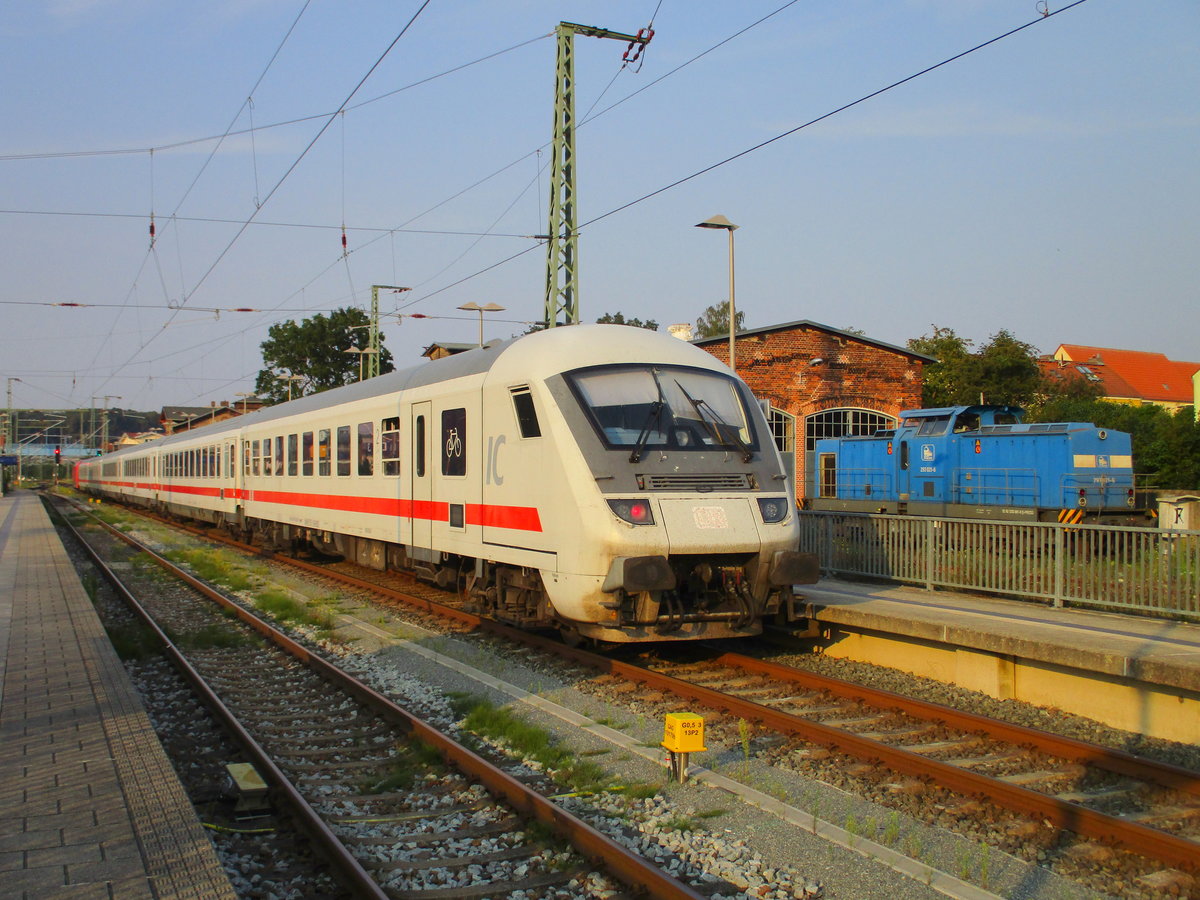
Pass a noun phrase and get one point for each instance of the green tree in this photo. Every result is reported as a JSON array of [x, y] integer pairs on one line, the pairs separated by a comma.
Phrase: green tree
[[715, 321], [953, 380], [619, 319], [315, 350], [1003, 371], [1008, 371]]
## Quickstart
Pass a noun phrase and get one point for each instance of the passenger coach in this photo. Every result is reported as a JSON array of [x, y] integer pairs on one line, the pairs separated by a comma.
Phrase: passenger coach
[[608, 481]]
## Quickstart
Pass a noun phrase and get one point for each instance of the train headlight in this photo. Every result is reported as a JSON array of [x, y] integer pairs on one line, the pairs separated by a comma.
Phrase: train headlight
[[635, 512], [773, 509]]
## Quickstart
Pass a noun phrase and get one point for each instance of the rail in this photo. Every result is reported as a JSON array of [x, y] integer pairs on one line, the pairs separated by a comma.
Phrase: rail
[[1150, 570]]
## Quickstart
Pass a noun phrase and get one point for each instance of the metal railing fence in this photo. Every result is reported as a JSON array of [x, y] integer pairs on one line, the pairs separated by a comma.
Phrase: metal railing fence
[[1146, 569]]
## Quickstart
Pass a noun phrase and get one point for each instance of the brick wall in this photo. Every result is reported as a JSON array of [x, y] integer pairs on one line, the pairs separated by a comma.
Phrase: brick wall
[[777, 365]]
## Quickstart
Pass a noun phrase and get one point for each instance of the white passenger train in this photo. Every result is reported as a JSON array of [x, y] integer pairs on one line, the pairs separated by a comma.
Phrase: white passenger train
[[607, 481]]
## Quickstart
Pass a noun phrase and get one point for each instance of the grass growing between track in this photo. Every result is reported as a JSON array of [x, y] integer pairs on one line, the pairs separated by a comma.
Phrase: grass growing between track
[[572, 771]]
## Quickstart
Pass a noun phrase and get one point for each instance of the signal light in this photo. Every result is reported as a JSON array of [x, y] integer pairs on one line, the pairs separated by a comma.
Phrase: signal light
[[57, 453]]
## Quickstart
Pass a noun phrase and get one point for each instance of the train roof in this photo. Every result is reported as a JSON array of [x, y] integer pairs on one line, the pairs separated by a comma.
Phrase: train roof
[[528, 357], [956, 410]]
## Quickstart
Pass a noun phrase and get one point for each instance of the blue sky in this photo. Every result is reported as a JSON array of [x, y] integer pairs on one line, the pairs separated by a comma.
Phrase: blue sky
[[1047, 184]]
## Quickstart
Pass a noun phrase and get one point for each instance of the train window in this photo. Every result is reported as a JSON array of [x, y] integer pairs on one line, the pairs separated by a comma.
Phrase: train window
[[293, 464], [933, 426], [232, 457], [308, 453], [366, 448], [343, 450], [664, 407], [266, 457], [324, 462], [453, 442], [245, 457], [419, 447], [527, 420], [255, 457], [390, 450]]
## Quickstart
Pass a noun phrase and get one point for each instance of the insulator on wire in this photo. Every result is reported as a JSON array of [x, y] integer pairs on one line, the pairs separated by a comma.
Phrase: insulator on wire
[[344, 250], [151, 229]]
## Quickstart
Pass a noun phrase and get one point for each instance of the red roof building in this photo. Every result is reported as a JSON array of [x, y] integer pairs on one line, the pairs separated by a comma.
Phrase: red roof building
[[1129, 376]]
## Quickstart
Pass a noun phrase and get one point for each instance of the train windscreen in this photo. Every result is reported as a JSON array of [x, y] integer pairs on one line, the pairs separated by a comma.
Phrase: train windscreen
[[664, 407]]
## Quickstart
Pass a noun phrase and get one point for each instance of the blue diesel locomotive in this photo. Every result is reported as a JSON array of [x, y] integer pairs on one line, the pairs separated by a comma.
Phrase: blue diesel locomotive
[[979, 462]]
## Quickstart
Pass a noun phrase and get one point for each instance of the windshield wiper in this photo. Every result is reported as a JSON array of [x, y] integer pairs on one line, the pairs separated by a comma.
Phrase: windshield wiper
[[720, 430], [652, 419]]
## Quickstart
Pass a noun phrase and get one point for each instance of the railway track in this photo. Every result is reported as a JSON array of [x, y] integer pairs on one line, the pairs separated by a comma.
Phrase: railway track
[[401, 810], [1107, 797]]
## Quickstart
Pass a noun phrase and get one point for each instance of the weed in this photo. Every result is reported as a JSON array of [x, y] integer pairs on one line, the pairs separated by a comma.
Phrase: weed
[[966, 861], [212, 637], [870, 828], [852, 829], [711, 813], [891, 830], [503, 727], [816, 811], [744, 738], [133, 641], [600, 752], [679, 823], [985, 864], [91, 584], [914, 846], [639, 790]]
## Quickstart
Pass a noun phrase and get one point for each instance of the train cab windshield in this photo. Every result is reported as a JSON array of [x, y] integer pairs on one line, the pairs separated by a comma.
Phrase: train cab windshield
[[664, 408]]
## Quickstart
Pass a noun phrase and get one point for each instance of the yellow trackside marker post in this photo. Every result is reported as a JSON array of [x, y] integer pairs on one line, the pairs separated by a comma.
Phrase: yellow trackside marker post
[[683, 734]]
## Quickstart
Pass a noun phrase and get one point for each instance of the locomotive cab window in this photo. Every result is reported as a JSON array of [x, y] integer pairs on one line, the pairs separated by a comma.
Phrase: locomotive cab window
[[527, 420], [390, 449], [933, 426], [454, 441]]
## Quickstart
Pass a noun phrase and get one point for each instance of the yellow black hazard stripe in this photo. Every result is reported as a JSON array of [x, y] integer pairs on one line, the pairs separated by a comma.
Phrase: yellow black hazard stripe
[[1070, 516]]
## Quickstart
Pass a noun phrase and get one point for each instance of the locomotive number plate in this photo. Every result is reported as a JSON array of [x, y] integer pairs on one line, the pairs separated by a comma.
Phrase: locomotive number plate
[[710, 517]]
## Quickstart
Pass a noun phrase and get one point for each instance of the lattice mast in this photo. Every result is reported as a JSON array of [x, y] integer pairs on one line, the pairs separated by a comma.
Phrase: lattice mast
[[562, 256]]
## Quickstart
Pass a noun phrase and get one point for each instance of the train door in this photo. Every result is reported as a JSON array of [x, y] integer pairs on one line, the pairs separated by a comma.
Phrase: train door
[[422, 477], [902, 472], [827, 467]]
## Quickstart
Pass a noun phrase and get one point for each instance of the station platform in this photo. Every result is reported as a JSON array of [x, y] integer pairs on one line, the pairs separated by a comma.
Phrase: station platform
[[1132, 672], [89, 803]]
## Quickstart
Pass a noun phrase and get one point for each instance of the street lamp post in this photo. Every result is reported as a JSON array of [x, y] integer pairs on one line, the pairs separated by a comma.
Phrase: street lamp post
[[487, 307], [361, 351], [289, 379], [722, 222]]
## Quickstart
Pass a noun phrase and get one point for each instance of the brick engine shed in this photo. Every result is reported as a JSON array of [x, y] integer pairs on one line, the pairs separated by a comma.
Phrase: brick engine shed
[[822, 382]]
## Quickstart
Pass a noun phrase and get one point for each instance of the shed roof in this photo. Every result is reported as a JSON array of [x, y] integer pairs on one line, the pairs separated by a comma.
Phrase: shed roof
[[817, 326]]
